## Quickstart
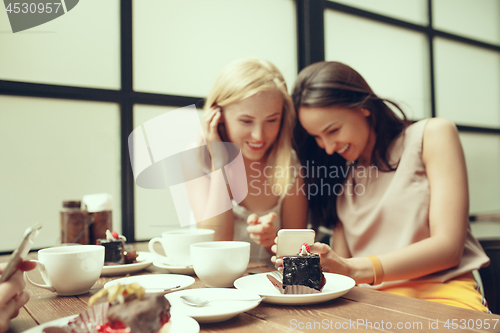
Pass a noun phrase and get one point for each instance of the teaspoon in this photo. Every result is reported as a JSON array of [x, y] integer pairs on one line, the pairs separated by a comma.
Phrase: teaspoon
[[200, 301]]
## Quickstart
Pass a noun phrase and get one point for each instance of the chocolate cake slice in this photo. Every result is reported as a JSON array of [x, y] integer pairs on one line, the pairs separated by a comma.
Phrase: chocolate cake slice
[[303, 271], [113, 251]]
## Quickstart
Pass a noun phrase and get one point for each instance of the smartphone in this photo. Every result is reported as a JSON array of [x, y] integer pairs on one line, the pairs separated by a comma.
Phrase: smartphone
[[290, 241], [20, 252]]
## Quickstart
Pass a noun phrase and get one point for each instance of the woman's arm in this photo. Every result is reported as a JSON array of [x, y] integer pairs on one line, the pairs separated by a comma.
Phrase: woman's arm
[[448, 215], [339, 243], [210, 196]]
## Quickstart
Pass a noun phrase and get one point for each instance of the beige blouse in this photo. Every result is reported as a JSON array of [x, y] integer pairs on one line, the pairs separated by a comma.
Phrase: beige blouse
[[385, 211]]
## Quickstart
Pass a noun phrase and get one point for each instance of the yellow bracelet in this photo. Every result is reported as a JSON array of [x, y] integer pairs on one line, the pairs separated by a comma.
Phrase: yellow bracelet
[[378, 270]]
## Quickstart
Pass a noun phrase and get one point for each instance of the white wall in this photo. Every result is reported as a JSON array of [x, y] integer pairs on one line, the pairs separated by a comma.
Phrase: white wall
[[54, 150]]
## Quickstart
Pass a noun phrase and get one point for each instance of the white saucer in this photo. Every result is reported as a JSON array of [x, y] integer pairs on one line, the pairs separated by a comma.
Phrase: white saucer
[[213, 311], [336, 286], [144, 260], [154, 283], [180, 324], [173, 268]]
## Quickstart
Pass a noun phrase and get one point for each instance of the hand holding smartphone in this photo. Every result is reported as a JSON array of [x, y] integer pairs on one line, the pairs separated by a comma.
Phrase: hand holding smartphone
[[20, 252], [290, 241]]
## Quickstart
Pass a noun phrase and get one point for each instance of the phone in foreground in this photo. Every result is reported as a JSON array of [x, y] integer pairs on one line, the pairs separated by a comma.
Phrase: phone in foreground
[[20, 252], [290, 241]]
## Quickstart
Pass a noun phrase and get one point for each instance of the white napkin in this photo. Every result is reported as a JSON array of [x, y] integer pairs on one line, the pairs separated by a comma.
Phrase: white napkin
[[97, 202]]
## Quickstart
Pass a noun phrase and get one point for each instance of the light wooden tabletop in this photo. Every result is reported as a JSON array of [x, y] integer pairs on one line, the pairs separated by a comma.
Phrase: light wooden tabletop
[[361, 309]]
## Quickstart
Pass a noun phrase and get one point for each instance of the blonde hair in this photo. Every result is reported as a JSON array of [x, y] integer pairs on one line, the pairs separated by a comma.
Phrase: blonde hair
[[244, 78]]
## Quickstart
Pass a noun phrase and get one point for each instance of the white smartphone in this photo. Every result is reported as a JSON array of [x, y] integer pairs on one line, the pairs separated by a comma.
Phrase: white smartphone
[[290, 241], [20, 252]]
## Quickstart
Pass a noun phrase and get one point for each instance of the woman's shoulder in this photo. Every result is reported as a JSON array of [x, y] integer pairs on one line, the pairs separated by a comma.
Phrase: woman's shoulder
[[429, 129], [438, 125], [439, 135], [438, 130]]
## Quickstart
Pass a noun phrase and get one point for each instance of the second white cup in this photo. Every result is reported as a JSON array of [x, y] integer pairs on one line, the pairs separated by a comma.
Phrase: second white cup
[[176, 244], [219, 264]]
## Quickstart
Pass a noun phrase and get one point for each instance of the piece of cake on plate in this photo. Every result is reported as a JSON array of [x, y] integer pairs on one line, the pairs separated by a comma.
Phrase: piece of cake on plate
[[132, 310], [115, 250], [127, 309], [301, 273]]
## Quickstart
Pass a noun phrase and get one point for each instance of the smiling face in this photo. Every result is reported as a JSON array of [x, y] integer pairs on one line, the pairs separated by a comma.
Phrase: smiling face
[[254, 123], [341, 130]]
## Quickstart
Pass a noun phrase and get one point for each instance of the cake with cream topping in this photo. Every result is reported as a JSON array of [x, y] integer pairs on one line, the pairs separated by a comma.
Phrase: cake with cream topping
[[126, 309]]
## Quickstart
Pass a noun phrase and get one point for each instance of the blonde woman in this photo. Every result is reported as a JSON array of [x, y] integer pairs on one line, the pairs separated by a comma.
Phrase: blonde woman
[[250, 107]]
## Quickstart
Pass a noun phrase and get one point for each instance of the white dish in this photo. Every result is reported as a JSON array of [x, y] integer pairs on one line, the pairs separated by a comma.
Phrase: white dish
[[154, 283], [144, 260], [180, 324], [213, 311], [173, 268], [336, 286]]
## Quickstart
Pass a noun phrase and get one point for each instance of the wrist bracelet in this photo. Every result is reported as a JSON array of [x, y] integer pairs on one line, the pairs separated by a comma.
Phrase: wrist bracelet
[[378, 270]]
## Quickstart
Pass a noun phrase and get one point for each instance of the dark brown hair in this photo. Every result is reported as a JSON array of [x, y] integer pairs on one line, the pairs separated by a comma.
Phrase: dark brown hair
[[336, 84]]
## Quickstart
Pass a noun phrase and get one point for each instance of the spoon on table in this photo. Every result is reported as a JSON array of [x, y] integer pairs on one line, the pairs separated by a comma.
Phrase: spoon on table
[[159, 290], [200, 301]]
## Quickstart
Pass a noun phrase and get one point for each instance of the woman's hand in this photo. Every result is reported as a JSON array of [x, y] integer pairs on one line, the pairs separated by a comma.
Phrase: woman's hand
[[12, 296], [262, 230], [218, 152], [209, 123], [330, 261]]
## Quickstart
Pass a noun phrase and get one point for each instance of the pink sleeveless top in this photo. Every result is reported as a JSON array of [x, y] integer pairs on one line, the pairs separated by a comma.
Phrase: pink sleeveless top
[[385, 211]]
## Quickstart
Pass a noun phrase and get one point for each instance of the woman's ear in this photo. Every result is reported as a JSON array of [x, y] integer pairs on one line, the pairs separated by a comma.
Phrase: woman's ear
[[365, 112]]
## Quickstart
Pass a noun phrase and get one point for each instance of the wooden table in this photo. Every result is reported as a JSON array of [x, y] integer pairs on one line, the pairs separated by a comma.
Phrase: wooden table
[[360, 310]]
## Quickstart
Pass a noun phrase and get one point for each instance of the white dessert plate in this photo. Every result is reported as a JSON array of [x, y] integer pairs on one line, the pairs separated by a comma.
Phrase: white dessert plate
[[180, 324], [336, 286], [154, 283], [160, 263], [144, 260], [214, 311]]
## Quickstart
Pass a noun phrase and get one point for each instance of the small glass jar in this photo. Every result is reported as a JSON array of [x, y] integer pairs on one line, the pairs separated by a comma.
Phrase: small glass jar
[[80, 226], [74, 223]]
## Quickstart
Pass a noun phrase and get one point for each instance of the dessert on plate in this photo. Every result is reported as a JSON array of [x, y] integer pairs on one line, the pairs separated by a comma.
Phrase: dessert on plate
[[127, 309], [115, 250], [301, 273]]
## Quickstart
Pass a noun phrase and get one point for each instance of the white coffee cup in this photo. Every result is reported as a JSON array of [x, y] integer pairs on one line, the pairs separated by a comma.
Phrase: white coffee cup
[[69, 270], [176, 244], [219, 264]]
